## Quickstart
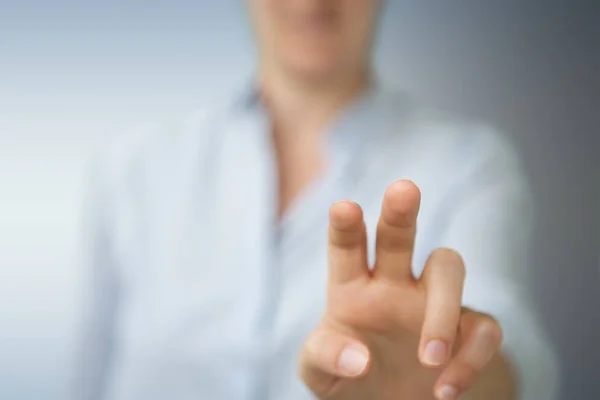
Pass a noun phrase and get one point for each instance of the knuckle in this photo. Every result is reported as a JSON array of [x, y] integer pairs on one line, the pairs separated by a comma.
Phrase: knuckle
[[468, 373], [489, 329], [347, 240], [396, 242], [313, 344]]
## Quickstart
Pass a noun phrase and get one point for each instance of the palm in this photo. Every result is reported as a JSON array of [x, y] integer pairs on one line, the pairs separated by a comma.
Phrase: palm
[[366, 306], [390, 329]]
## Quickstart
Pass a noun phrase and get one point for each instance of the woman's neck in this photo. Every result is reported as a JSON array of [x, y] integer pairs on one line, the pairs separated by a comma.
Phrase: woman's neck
[[300, 110], [299, 106]]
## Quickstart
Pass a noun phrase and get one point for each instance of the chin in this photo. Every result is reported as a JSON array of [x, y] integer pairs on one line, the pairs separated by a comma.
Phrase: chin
[[318, 69]]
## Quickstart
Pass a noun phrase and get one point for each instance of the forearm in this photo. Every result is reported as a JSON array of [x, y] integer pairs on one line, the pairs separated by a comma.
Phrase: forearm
[[498, 382]]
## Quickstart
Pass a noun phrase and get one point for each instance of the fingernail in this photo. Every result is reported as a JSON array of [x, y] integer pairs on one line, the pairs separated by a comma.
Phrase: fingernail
[[446, 393], [435, 353], [352, 361]]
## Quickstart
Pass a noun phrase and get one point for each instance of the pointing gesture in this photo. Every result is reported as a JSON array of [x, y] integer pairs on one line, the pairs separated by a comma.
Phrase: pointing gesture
[[386, 334]]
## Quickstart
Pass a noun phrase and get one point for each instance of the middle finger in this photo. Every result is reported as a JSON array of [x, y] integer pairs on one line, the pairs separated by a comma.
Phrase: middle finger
[[396, 230]]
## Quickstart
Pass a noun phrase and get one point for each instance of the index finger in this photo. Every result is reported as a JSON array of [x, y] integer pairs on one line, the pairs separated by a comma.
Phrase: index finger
[[347, 242]]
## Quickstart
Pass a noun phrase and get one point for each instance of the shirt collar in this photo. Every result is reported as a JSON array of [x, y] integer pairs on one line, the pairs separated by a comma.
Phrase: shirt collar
[[248, 97], [356, 124]]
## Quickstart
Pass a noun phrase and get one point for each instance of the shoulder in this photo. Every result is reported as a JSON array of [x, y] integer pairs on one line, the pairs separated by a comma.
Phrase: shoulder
[[440, 143], [453, 160], [141, 151]]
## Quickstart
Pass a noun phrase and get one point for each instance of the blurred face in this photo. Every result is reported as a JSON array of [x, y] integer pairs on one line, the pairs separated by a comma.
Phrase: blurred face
[[315, 38]]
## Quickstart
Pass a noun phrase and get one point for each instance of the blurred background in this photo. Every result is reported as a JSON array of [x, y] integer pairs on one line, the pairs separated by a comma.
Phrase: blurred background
[[73, 73]]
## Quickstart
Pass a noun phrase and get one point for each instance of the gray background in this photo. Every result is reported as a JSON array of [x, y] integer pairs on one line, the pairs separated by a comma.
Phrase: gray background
[[72, 73]]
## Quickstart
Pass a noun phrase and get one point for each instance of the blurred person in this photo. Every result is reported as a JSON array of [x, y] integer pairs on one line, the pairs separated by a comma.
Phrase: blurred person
[[218, 269]]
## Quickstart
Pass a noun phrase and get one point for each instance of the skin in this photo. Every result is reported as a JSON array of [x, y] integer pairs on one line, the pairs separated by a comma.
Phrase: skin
[[314, 58], [391, 336]]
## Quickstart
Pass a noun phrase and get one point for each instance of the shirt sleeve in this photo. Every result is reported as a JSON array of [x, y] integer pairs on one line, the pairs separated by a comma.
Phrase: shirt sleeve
[[490, 223], [100, 292]]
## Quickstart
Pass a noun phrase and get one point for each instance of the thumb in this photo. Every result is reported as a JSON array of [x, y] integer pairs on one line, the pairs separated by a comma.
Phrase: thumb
[[328, 356]]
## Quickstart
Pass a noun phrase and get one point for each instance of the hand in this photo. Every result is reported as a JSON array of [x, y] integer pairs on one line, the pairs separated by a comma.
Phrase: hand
[[386, 334]]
